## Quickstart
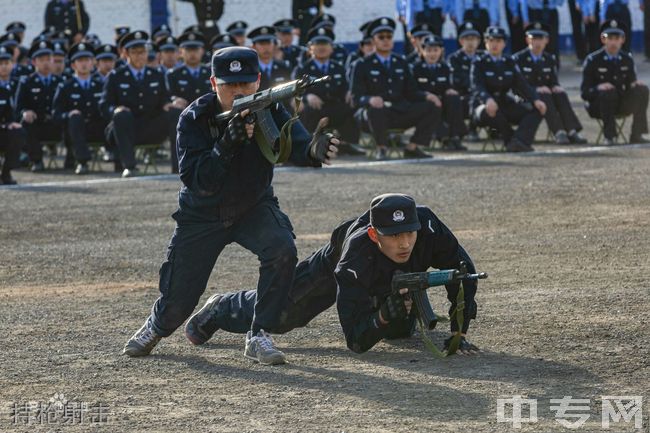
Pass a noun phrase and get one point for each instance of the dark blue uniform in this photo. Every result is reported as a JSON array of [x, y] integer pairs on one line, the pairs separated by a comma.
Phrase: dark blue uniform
[[146, 122], [36, 95], [81, 128], [293, 54], [461, 63], [353, 273], [279, 73], [226, 198], [332, 93], [208, 13], [62, 15], [11, 140]]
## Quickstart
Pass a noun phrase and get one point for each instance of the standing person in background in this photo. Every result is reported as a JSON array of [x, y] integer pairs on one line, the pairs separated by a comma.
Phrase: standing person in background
[[545, 12], [434, 13], [406, 12], [516, 26], [645, 7], [64, 15], [207, 13], [590, 11], [304, 12], [483, 13], [578, 28], [619, 11]]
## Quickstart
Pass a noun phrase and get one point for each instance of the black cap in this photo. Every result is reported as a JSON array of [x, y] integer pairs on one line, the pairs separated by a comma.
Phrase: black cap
[[161, 31], [167, 44], [193, 28], [495, 32], [613, 27], [134, 39], [191, 40], [93, 40], [106, 52], [433, 41], [364, 32], [6, 53], [10, 40], [40, 48], [391, 214], [421, 30], [121, 31], [238, 28], [468, 28], [16, 27], [324, 20], [80, 50], [222, 41], [59, 49], [62, 37], [537, 30], [235, 65], [383, 24], [320, 34], [285, 26], [263, 33]]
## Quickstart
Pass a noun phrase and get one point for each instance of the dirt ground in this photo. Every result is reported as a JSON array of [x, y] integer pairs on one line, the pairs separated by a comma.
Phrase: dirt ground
[[563, 233]]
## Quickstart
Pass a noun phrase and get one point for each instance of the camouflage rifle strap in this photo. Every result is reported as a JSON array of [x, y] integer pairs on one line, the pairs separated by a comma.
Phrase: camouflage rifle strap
[[283, 153], [455, 341]]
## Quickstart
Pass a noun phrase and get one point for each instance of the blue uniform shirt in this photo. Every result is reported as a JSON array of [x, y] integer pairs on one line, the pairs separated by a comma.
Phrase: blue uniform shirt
[[537, 4]]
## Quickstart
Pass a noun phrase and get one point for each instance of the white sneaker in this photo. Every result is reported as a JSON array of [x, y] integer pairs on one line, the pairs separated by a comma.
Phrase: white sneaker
[[142, 342], [261, 348]]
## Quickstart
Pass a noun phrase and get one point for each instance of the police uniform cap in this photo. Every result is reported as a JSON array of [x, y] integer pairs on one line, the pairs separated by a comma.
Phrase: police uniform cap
[[191, 40], [106, 51], [160, 31], [59, 49], [238, 28], [537, 29], [421, 30], [613, 27], [222, 41], [433, 41], [235, 65], [10, 40], [391, 214], [383, 24], [262, 33], [167, 44], [16, 27], [495, 32], [82, 49], [134, 39], [40, 48], [468, 28], [321, 34], [5, 53], [285, 26]]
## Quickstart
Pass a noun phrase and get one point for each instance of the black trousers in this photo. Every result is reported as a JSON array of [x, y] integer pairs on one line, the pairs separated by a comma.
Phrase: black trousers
[[517, 36], [341, 118], [646, 28], [550, 18], [193, 251], [452, 114], [12, 142], [510, 112], [37, 132], [127, 131], [304, 19], [78, 132], [559, 113], [432, 17], [425, 116], [174, 115], [621, 13], [577, 26], [592, 32], [611, 103]]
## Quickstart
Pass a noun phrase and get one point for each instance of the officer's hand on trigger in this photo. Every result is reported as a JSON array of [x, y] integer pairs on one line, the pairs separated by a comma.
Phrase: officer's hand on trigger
[[236, 133], [395, 307], [323, 147]]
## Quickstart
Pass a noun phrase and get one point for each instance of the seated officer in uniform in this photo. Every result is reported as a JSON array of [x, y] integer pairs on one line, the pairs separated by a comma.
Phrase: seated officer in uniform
[[366, 47], [433, 76], [290, 52], [386, 95], [340, 53], [105, 57], [461, 63], [328, 99], [11, 41], [34, 103], [355, 270], [227, 197], [76, 107], [187, 82], [273, 71], [540, 70], [494, 77], [610, 86], [168, 54], [12, 135], [136, 103]]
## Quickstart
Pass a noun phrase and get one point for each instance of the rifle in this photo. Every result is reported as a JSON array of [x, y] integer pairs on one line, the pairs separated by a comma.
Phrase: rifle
[[417, 284], [275, 145]]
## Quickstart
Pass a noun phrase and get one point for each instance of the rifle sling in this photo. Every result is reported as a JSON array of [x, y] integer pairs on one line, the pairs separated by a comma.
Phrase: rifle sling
[[285, 144], [455, 341]]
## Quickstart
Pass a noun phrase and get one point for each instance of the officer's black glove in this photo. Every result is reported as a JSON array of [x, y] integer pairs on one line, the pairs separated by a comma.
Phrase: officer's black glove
[[234, 135], [320, 142], [464, 346], [393, 308]]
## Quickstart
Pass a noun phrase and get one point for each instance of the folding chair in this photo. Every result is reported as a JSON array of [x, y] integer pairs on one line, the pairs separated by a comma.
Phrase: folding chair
[[148, 154], [620, 122], [51, 151]]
